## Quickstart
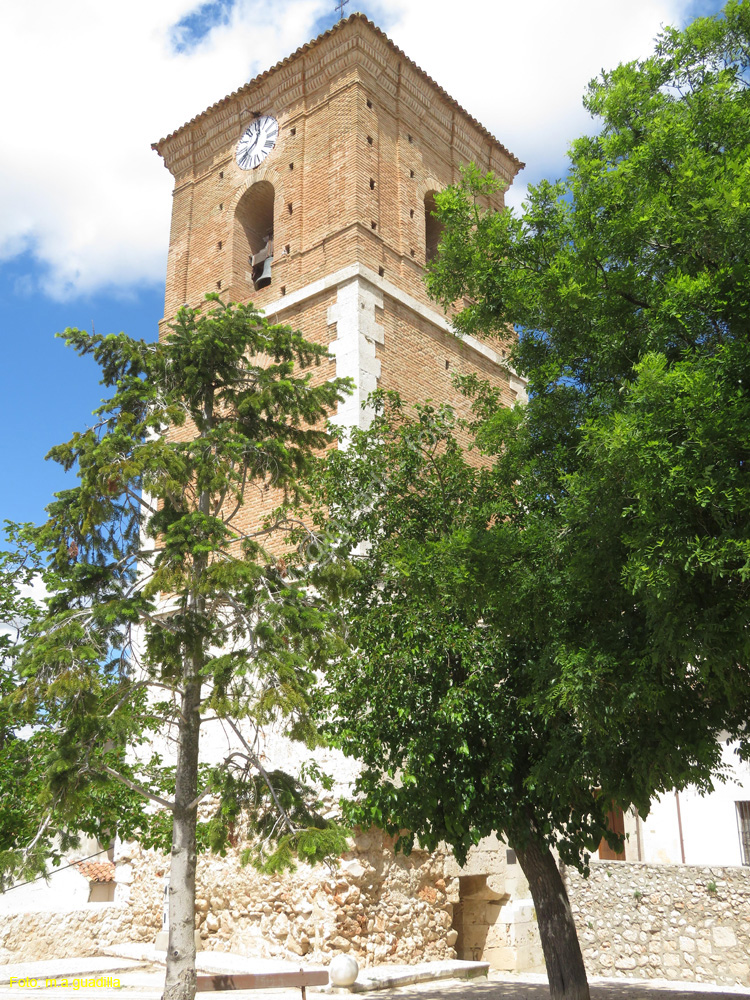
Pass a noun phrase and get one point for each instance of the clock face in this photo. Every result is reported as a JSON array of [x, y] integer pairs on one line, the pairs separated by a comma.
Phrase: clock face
[[257, 141]]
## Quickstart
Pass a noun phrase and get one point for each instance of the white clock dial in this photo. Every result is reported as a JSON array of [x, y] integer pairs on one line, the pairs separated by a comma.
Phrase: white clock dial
[[257, 141]]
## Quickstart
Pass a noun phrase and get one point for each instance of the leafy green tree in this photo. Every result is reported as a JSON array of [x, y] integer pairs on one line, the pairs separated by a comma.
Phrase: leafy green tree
[[170, 605], [626, 284], [567, 627], [20, 783], [454, 607]]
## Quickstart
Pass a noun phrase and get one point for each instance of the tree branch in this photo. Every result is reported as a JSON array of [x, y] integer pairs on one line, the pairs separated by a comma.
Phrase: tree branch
[[262, 771], [207, 790], [139, 788]]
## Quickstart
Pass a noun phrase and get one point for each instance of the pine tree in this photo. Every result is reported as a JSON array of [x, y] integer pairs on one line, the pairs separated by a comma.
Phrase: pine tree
[[168, 605]]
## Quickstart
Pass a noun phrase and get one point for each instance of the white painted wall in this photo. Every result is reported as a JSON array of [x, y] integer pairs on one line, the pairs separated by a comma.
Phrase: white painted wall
[[709, 822], [66, 889]]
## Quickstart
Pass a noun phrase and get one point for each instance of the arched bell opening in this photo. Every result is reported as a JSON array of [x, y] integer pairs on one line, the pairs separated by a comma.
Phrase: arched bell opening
[[433, 227], [253, 237]]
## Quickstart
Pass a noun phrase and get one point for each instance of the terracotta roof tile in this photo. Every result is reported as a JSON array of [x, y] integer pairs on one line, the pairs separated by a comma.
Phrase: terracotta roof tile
[[316, 41], [97, 871]]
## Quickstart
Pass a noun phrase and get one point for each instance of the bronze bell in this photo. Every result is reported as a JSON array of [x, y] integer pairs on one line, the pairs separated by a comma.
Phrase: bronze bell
[[261, 262], [262, 274]]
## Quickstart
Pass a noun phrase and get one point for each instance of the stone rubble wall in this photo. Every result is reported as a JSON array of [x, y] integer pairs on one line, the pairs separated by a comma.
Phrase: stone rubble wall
[[375, 905], [678, 922], [34, 935]]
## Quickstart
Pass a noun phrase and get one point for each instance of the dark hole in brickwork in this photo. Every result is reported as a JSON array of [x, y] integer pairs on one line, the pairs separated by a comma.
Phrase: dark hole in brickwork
[[411, 173], [433, 227], [411, 213], [291, 166], [218, 284], [287, 248], [372, 184], [381, 271], [373, 225], [221, 207], [413, 254], [290, 208], [447, 364], [283, 289], [292, 131], [369, 140], [369, 103], [410, 138], [221, 173], [219, 245]]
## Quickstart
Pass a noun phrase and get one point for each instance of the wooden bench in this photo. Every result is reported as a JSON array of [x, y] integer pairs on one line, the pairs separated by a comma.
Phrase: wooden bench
[[262, 981]]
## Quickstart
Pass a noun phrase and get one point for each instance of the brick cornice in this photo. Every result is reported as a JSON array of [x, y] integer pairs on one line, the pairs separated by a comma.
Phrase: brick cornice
[[355, 38]]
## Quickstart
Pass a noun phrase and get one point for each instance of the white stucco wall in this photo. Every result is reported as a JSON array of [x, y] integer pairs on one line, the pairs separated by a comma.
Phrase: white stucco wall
[[709, 822], [66, 889]]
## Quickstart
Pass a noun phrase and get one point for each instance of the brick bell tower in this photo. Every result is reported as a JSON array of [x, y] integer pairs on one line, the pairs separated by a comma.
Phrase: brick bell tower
[[309, 191]]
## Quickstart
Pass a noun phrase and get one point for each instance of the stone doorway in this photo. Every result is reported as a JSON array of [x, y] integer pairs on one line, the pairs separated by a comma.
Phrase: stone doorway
[[483, 934]]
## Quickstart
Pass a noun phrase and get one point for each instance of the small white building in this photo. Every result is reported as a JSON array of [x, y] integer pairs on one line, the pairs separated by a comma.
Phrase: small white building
[[86, 875], [699, 829]]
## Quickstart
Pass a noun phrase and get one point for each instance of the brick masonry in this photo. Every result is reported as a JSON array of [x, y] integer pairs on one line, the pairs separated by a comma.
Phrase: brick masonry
[[364, 138]]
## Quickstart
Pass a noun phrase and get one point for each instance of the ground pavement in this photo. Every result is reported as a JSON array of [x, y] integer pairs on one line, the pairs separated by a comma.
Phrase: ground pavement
[[143, 981]]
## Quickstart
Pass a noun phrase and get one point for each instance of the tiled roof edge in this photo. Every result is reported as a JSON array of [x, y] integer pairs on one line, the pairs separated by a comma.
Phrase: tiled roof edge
[[316, 41], [97, 871]]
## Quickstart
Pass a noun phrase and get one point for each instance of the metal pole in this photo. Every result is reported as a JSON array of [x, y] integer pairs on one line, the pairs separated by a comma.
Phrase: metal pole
[[679, 826]]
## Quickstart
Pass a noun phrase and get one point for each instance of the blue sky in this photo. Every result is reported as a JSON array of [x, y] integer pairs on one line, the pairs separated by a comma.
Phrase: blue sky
[[84, 202]]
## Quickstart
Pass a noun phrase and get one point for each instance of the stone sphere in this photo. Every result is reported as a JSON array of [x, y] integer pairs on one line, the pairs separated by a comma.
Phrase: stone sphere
[[343, 970]]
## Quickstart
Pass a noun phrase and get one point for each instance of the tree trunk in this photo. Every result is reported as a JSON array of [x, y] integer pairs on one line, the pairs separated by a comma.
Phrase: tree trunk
[[180, 979], [562, 952]]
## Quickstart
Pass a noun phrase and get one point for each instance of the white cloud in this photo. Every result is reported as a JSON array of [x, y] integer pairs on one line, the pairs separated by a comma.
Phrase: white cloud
[[37, 591], [89, 86], [521, 68]]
